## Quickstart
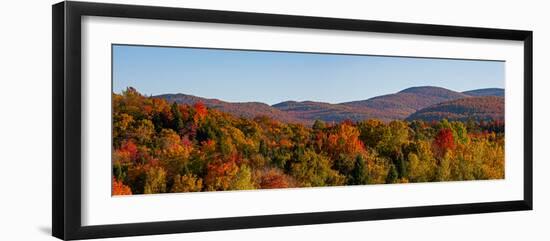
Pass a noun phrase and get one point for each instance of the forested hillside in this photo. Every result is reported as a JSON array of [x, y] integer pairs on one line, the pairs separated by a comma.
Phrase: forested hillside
[[486, 92], [242, 109], [397, 106], [403, 103], [161, 146], [486, 108]]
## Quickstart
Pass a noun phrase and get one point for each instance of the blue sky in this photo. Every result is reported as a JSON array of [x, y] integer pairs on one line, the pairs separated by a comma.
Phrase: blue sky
[[273, 77]]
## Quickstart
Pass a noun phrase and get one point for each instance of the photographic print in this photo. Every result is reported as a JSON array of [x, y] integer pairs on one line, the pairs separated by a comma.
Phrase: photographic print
[[162, 117], [200, 120]]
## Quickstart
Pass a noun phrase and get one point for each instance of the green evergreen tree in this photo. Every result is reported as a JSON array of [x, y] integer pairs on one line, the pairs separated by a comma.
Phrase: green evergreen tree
[[319, 125], [359, 174], [392, 175], [177, 123]]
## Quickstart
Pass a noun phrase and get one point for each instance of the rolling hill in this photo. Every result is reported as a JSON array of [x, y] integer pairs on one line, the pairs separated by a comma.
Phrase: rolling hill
[[413, 102], [241, 109], [403, 103], [486, 92], [477, 108], [312, 111]]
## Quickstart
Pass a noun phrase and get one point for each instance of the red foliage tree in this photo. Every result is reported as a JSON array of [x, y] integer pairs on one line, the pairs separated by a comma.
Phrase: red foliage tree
[[444, 141], [220, 174], [274, 179], [200, 111], [128, 152]]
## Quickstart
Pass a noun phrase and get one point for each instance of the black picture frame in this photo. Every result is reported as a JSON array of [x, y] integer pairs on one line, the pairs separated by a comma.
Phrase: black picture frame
[[66, 75]]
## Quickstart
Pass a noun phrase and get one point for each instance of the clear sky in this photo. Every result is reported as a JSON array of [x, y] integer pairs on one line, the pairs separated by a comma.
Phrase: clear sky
[[273, 77]]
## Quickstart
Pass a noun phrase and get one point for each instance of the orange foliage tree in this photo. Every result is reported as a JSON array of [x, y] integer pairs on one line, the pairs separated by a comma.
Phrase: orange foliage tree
[[120, 189]]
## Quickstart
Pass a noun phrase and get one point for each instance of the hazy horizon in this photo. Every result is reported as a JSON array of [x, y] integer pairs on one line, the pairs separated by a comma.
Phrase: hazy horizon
[[205, 97], [274, 77]]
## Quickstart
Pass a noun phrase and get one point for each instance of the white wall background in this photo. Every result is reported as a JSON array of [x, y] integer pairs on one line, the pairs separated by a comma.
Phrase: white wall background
[[25, 119]]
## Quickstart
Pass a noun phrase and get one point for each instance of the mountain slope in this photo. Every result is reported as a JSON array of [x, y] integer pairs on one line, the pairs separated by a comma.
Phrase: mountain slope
[[403, 103], [477, 108], [397, 106], [241, 109], [312, 111], [486, 92]]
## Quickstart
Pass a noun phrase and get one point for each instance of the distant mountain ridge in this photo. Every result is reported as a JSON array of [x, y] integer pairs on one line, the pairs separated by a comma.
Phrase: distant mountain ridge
[[486, 92], [397, 106], [241, 109], [403, 103], [475, 108], [312, 111]]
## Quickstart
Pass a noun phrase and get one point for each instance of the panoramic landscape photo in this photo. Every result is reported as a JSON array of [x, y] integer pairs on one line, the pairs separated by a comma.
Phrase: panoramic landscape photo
[[199, 120]]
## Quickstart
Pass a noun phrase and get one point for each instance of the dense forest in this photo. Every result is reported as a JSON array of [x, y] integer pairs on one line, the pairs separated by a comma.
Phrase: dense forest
[[161, 147]]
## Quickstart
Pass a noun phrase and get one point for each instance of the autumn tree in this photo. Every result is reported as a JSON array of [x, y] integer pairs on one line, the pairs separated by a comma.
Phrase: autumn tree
[[422, 163], [221, 174], [313, 170], [273, 178], [155, 181], [372, 132], [173, 152], [118, 188], [200, 112], [444, 142], [144, 132], [186, 183]]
